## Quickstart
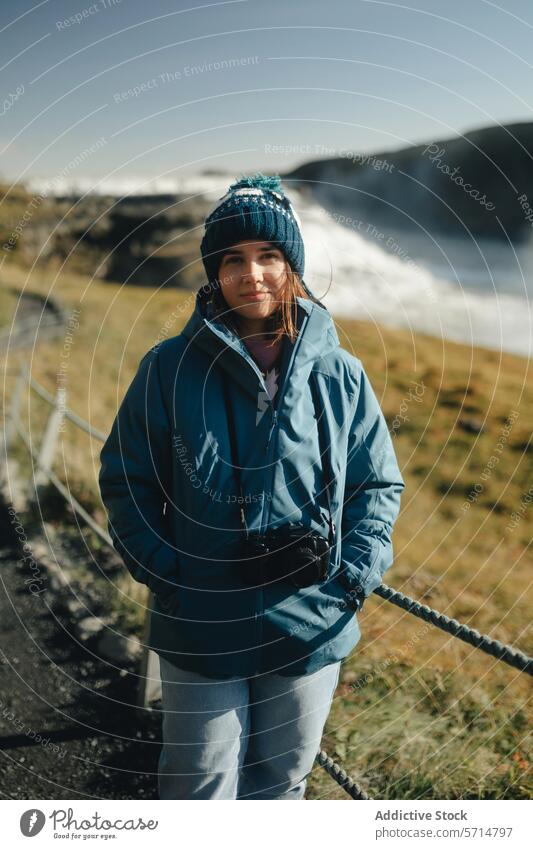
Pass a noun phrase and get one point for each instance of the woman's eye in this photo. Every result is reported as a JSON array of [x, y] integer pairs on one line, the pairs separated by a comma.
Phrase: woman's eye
[[265, 255]]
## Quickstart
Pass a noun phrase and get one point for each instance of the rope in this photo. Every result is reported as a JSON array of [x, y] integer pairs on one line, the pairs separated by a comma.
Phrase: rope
[[508, 654], [339, 775], [67, 495], [67, 412], [511, 656]]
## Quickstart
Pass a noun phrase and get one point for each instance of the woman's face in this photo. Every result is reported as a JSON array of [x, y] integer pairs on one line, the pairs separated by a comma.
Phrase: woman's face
[[252, 275]]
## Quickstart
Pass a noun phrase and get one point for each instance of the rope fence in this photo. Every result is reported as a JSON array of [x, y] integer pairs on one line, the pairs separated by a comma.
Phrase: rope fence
[[44, 458]]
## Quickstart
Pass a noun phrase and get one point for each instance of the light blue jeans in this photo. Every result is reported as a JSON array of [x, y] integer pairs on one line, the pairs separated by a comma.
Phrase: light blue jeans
[[248, 738]]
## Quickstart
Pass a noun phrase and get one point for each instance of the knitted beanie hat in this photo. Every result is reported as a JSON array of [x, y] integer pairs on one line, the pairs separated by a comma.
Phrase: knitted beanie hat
[[253, 208]]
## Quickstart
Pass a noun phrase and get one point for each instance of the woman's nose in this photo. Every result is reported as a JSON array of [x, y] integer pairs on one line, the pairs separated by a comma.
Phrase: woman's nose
[[252, 270]]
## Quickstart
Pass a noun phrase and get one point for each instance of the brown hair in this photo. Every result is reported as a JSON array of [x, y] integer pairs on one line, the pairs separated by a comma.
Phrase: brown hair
[[282, 321]]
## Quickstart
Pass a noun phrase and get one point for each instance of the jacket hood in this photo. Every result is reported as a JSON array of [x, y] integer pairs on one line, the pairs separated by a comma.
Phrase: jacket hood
[[316, 338]]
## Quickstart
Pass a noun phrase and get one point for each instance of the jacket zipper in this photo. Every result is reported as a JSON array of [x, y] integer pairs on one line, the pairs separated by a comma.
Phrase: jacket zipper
[[264, 525], [260, 603], [275, 421], [250, 363], [260, 607]]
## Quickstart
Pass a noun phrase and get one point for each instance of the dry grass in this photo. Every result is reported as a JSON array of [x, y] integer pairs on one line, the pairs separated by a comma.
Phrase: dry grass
[[433, 718], [8, 305]]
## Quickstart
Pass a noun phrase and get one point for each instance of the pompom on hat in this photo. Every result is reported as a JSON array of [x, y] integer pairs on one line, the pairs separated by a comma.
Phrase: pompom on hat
[[253, 208]]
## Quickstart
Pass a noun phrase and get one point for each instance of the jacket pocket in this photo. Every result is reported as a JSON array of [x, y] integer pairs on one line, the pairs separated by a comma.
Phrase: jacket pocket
[[345, 594], [216, 613]]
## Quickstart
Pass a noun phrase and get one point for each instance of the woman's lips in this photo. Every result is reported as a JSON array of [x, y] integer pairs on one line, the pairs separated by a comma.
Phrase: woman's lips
[[255, 296]]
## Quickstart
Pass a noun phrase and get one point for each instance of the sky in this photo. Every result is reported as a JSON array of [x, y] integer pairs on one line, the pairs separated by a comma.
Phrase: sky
[[129, 88]]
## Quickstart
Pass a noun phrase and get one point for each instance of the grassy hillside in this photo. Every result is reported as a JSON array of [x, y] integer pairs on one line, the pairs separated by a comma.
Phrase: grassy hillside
[[8, 304], [418, 714]]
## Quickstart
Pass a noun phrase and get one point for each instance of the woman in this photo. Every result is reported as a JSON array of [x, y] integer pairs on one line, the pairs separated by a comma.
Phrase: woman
[[251, 483]]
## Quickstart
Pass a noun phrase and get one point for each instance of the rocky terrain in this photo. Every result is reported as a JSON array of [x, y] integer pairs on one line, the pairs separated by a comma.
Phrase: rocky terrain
[[479, 184], [140, 240]]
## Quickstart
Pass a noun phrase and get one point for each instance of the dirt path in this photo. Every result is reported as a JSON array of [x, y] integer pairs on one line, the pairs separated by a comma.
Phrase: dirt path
[[38, 319], [67, 728]]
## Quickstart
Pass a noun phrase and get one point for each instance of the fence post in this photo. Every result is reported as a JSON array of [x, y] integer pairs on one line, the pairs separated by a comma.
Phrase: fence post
[[45, 459], [14, 409]]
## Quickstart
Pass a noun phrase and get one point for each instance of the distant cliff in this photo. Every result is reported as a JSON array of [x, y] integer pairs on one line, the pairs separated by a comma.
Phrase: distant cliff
[[151, 240], [481, 183]]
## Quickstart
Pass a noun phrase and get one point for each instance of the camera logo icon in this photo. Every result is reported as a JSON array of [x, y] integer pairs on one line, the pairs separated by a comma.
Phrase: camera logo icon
[[32, 822]]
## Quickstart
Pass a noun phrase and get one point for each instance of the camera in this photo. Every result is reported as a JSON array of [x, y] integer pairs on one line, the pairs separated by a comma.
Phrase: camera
[[285, 554]]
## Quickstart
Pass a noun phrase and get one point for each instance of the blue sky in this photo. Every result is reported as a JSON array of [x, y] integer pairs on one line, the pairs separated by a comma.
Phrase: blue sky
[[244, 85]]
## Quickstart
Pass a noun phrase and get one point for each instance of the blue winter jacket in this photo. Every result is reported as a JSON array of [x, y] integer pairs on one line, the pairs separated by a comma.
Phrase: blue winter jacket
[[168, 485]]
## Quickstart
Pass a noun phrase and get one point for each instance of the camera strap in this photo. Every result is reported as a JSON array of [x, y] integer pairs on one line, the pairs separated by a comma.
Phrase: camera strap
[[322, 443]]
